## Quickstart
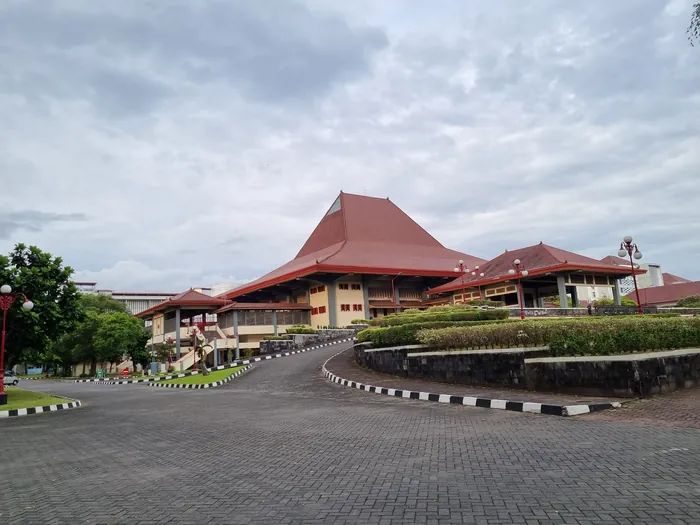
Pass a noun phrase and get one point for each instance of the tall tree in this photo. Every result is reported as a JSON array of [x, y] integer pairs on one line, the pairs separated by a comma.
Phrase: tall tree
[[118, 335], [101, 304], [694, 27], [47, 283]]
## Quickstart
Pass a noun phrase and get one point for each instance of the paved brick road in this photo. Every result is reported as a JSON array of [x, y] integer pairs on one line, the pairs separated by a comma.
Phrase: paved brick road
[[281, 445]]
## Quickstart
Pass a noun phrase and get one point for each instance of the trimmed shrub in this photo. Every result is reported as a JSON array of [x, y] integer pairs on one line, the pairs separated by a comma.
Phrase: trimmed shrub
[[300, 329], [452, 314], [359, 321], [586, 336], [274, 337], [486, 302]]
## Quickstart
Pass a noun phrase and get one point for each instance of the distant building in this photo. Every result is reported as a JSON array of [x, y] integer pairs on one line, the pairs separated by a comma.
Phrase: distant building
[[136, 302]]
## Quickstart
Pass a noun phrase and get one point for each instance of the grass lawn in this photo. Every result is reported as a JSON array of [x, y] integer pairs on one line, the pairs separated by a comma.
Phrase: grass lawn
[[200, 379], [19, 398]]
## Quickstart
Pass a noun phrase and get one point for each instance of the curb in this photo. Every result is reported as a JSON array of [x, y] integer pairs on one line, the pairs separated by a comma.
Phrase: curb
[[502, 404], [206, 385], [38, 410], [220, 367]]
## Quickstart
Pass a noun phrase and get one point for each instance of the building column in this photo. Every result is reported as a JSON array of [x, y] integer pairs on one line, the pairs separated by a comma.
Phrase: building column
[[397, 299], [575, 303], [216, 353], [617, 293], [177, 333], [274, 322], [235, 333], [365, 297], [332, 306], [482, 293], [563, 299]]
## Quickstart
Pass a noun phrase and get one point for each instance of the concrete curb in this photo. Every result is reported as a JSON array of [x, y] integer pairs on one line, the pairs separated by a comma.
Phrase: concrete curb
[[39, 410], [206, 385], [501, 404], [220, 367]]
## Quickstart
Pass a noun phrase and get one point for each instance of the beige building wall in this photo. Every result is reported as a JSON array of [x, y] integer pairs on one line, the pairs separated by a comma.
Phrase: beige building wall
[[352, 299], [319, 300], [158, 324]]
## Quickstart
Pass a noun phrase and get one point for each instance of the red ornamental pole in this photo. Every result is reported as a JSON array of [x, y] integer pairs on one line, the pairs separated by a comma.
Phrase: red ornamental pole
[[6, 300], [640, 310]]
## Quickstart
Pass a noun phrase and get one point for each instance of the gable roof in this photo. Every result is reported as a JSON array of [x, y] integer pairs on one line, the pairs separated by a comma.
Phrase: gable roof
[[611, 259], [538, 259], [189, 298], [667, 294], [368, 235], [669, 278]]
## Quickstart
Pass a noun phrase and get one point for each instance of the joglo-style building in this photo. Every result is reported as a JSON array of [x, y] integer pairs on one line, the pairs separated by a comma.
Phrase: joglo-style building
[[366, 259]]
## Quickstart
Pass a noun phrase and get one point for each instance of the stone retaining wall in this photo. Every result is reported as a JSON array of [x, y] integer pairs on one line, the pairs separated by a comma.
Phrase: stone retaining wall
[[628, 375], [296, 341]]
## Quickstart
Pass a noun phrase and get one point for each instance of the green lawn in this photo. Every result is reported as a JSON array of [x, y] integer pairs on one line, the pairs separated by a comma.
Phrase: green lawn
[[200, 379], [19, 398]]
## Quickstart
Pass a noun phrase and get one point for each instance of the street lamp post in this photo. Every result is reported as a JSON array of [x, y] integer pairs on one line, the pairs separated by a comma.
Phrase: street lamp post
[[480, 274], [627, 248], [7, 298], [461, 268], [518, 269]]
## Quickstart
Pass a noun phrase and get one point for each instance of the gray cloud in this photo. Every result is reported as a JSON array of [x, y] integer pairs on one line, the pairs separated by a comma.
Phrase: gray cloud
[[205, 140], [32, 221]]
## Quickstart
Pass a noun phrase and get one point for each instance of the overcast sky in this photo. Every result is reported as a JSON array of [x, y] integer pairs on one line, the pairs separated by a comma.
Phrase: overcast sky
[[162, 144]]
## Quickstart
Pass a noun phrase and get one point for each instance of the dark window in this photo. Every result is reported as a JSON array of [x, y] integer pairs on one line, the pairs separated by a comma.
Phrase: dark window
[[357, 287], [322, 309], [321, 289]]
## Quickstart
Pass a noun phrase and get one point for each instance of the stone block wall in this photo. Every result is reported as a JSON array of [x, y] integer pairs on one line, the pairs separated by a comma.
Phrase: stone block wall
[[275, 346]]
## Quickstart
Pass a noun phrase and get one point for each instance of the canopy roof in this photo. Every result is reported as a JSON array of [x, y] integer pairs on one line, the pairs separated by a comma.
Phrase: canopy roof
[[365, 235], [189, 299], [537, 260]]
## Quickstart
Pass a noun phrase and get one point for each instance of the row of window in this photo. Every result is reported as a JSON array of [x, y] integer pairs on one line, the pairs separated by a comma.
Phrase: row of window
[[349, 286], [346, 307], [319, 310], [318, 289]]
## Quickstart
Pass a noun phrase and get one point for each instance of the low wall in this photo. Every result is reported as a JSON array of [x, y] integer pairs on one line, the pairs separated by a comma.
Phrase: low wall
[[275, 346], [624, 375], [296, 341], [504, 367]]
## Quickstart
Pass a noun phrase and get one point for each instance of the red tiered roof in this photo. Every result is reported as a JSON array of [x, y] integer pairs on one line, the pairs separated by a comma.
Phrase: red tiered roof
[[188, 298], [365, 235], [537, 260]]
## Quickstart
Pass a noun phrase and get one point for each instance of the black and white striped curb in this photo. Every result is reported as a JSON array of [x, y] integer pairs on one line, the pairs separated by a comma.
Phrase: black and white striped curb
[[38, 410], [206, 385], [234, 364], [502, 404]]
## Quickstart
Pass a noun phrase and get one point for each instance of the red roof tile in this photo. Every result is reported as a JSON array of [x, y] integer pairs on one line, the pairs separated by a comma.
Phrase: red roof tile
[[667, 294], [538, 259], [264, 306], [669, 278], [188, 298], [365, 235]]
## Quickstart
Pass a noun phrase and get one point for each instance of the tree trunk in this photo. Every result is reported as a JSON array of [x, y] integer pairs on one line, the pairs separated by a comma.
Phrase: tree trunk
[[93, 366]]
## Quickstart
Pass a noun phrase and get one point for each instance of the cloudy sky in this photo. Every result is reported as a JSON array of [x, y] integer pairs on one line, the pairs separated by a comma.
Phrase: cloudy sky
[[163, 144]]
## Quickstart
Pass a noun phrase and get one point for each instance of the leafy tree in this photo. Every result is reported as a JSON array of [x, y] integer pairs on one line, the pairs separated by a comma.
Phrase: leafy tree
[[101, 304], [47, 283], [692, 301], [119, 334], [694, 27], [624, 301], [80, 341]]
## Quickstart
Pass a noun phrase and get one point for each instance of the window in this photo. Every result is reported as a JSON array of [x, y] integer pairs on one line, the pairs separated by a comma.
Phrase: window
[[356, 286], [321, 289], [313, 290], [356, 307], [343, 286], [321, 309], [344, 307], [314, 311]]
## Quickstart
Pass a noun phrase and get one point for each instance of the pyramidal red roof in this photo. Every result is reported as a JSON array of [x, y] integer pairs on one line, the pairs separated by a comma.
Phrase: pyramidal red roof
[[538, 259], [669, 278], [188, 298], [667, 294], [368, 235]]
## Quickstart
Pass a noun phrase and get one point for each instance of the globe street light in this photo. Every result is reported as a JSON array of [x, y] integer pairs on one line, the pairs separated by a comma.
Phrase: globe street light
[[461, 268], [480, 274], [517, 269], [628, 248], [7, 298]]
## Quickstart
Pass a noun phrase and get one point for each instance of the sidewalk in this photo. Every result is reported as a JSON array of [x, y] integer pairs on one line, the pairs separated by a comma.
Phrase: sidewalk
[[343, 366]]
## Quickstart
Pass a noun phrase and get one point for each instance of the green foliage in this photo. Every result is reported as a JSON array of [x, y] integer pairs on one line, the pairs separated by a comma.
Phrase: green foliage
[[693, 30], [47, 283], [101, 304], [486, 302], [300, 329], [585, 336], [119, 334], [406, 334], [692, 301], [359, 321], [444, 314], [274, 338], [624, 301]]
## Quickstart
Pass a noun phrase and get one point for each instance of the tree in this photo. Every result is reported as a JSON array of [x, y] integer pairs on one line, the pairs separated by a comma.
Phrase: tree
[[118, 334], [80, 341], [47, 283], [101, 304], [694, 27], [692, 301], [624, 301]]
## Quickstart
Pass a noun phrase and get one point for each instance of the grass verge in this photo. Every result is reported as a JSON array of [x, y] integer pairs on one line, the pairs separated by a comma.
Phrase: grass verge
[[200, 379], [20, 398]]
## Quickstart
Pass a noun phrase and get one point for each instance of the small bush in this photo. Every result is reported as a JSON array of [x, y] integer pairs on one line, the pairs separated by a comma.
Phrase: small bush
[[486, 302], [359, 321], [249, 352], [84, 375], [300, 329], [585, 336], [274, 337], [452, 314], [692, 301]]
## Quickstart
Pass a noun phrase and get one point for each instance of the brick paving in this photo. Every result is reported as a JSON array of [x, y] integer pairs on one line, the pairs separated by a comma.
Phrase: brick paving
[[343, 365], [281, 445]]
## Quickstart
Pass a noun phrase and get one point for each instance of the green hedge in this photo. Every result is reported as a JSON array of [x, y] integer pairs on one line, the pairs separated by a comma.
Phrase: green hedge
[[454, 314], [359, 321], [586, 336], [300, 329], [274, 337]]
